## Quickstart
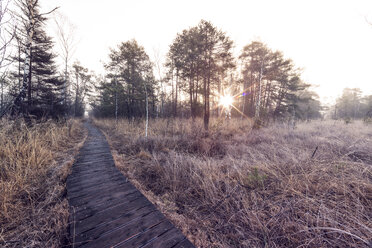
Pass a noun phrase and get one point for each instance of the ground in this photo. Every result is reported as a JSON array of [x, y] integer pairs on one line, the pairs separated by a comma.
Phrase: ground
[[277, 186], [234, 186], [34, 163]]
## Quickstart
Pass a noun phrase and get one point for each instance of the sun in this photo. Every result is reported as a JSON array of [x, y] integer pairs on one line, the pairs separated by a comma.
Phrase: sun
[[226, 101]]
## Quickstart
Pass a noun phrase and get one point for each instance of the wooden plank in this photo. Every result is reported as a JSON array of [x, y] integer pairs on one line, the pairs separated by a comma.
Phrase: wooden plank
[[103, 197], [122, 220], [184, 244], [87, 159], [94, 171], [79, 187], [91, 181], [147, 235], [91, 191], [91, 210], [127, 187], [81, 192], [168, 239], [126, 232], [87, 220], [88, 163]]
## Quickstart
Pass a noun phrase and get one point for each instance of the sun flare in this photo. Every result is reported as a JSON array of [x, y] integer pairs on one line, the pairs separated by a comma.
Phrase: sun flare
[[226, 101]]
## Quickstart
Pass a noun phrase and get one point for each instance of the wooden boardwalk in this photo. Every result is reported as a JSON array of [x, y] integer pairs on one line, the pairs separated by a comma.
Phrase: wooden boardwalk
[[106, 210]]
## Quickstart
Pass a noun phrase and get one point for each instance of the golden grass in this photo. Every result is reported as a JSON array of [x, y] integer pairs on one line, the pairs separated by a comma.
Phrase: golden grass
[[238, 187], [34, 163]]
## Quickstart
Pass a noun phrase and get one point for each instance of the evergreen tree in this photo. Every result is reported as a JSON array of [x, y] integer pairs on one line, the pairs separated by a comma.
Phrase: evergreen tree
[[129, 88], [44, 88], [350, 104], [198, 60], [272, 86], [82, 86]]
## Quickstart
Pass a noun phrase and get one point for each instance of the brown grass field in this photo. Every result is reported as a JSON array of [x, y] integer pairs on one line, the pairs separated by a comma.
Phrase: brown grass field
[[34, 163], [238, 187]]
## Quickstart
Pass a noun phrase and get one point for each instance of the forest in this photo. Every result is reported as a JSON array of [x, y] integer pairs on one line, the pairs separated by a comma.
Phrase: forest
[[200, 69], [232, 146]]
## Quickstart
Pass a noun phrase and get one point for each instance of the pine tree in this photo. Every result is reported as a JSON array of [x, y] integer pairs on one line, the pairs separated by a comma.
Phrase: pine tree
[[129, 88], [81, 88], [42, 89], [198, 60]]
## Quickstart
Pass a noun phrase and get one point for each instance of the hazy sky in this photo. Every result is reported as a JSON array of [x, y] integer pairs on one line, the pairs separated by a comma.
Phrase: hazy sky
[[330, 40]]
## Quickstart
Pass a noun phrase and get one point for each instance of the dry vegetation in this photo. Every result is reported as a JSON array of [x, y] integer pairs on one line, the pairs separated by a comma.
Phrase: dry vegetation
[[34, 163], [240, 187]]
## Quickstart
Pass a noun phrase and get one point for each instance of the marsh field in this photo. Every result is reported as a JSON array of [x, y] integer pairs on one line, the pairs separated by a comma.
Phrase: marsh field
[[278, 186], [34, 164]]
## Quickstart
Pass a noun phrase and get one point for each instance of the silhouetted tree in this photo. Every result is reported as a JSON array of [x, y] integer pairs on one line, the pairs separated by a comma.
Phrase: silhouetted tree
[[82, 86], [130, 85], [41, 84], [272, 86], [198, 59]]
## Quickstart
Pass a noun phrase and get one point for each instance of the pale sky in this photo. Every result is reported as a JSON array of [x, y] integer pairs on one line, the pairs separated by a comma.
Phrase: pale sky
[[330, 39]]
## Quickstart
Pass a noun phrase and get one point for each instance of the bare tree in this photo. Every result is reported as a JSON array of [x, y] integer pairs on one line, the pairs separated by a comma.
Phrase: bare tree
[[82, 87], [7, 32], [66, 37], [258, 103], [147, 109], [158, 67]]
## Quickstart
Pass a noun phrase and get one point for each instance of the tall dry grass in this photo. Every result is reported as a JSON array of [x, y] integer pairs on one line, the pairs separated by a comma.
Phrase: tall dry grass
[[34, 163], [238, 187]]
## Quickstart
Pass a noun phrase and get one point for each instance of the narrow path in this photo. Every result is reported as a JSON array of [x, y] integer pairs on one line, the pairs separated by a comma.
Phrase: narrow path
[[106, 210]]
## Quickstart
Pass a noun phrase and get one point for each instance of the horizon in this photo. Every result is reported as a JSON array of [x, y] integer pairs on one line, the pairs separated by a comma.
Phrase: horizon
[[326, 47]]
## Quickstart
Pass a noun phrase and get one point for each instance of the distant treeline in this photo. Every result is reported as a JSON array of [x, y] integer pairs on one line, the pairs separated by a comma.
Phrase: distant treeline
[[199, 68], [352, 105]]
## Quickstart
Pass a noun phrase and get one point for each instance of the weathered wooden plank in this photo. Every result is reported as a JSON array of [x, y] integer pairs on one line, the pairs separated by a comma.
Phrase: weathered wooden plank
[[168, 239], [86, 211], [83, 191], [92, 191], [128, 216], [86, 202], [94, 180], [142, 238], [93, 159], [124, 233], [93, 187], [89, 220], [89, 175], [184, 244]]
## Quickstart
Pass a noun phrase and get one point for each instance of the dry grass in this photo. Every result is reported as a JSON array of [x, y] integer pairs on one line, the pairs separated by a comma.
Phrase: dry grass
[[238, 187], [34, 163]]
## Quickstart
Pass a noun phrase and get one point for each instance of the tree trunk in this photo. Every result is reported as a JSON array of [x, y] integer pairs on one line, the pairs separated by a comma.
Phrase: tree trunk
[[219, 94], [26, 84], [191, 100], [176, 96], [2, 95], [244, 97], [147, 111], [65, 85], [258, 104], [29, 96], [116, 100]]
